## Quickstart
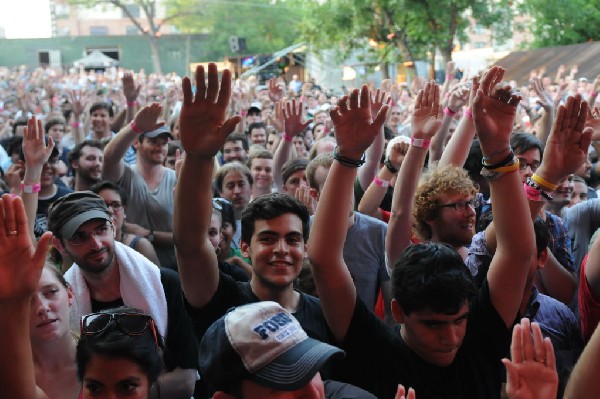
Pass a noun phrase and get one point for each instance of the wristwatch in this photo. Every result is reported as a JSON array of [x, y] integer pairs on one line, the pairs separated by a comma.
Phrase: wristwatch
[[150, 236]]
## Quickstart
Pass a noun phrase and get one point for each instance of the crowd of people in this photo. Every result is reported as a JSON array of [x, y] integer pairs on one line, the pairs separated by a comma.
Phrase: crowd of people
[[166, 237]]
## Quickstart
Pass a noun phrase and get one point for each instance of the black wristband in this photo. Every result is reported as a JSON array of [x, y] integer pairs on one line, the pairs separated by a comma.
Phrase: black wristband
[[506, 161], [355, 163], [533, 184], [389, 166]]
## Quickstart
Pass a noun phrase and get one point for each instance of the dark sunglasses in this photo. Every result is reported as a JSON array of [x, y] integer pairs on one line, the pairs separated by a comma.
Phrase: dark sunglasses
[[134, 324]]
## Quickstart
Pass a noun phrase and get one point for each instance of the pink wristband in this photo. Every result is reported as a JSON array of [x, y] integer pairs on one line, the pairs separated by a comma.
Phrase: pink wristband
[[594, 94], [287, 138], [449, 112], [422, 143], [468, 113], [75, 124], [449, 77], [131, 104], [532, 194], [381, 183], [31, 189], [134, 128]]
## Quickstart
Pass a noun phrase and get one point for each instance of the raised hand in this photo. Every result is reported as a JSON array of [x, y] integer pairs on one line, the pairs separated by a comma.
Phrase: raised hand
[[494, 110], [20, 262], [146, 119], [593, 122], [473, 91], [531, 374], [202, 125], [425, 122], [381, 97], [277, 120], [276, 89], [35, 150], [355, 130], [78, 102], [130, 90], [458, 97], [544, 98], [292, 115], [302, 194], [567, 145]]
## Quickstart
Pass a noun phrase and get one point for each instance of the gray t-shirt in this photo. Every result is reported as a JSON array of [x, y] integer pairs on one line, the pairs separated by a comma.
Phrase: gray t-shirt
[[151, 209]]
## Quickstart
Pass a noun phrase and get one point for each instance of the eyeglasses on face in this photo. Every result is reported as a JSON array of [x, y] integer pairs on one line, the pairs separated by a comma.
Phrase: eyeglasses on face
[[462, 205], [523, 164], [115, 205], [102, 231], [133, 324]]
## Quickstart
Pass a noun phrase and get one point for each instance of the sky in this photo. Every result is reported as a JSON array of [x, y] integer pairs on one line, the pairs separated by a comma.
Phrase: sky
[[25, 18]]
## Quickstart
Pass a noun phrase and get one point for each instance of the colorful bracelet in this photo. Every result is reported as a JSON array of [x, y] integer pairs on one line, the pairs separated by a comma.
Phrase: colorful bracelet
[[134, 128], [543, 182], [421, 143], [381, 183], [529, 182], [131, 104], [75, 124], [508, 168], [31, 188], [449, 112], [506, 161], [485, 159], [468, 113], [532, 194], [287, 138]]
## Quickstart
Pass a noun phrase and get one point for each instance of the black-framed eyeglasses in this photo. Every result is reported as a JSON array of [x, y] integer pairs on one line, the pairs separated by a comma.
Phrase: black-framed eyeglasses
[[102, 231], [133, 324], [523, 164], [116, 205], [462, 205]]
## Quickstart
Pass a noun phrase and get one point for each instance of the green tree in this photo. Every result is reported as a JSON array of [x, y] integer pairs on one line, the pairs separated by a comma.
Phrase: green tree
[[266, 25], [408, 28], [556, 22]]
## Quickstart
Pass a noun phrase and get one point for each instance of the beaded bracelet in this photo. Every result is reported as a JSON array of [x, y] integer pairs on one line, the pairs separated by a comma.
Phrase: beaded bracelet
[[389, 166], [531, 183]]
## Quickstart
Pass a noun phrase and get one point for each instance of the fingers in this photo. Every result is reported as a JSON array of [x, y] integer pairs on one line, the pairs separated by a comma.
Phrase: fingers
[[225, 91], [229, 125], [10, 223], [538, 343], [200, 84], [186, 86], [381, 116], [516, 345], [512, 377], [527, 342], [213, 83], [41, 249], [400, 392], [550, 358]]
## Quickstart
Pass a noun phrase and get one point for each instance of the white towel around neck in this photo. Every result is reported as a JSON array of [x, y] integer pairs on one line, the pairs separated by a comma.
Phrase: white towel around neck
[[140, 287]]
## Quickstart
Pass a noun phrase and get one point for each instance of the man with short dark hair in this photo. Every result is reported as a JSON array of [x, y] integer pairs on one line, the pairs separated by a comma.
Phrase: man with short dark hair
[[149, 184], [260, 164], [451, 341], [108, 274], [257, 133], [235, 148], [85, 160]]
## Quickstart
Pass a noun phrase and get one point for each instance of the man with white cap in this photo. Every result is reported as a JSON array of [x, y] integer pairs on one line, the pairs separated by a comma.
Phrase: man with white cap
[[148, 183], [261, 351]]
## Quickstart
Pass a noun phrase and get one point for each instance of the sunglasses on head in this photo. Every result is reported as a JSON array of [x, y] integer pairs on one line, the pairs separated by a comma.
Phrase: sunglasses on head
[[133, 324]]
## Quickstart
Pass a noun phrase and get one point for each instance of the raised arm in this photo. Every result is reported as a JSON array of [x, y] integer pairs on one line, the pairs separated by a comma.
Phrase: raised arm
[[36, 154], [457, 150], [355, 131], [20, 269], [203, 131], [131, 92], [545, 100], [145, 120], [293, 125], [369, 170], [494, 110], [458, 97], [425, 124]]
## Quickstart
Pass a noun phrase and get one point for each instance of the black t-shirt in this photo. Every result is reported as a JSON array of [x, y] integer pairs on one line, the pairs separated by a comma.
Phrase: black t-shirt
[[234, 271], [41, 217], [377, 359], [181, 348], [231, 293]]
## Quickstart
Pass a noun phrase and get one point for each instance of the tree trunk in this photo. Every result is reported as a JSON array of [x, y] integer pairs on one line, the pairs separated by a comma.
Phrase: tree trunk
[[155, 54], [385, 70], [432, 65]]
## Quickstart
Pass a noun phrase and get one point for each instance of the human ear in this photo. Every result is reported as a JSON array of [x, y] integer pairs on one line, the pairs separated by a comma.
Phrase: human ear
[[245, 249], [397, 311]]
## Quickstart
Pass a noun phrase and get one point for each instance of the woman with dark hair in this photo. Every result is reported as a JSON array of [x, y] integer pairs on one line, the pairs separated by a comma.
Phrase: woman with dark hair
[[118, 354], [119, 350]]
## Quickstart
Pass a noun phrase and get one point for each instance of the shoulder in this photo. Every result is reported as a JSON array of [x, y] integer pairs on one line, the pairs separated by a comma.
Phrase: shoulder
[[370, 221]]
